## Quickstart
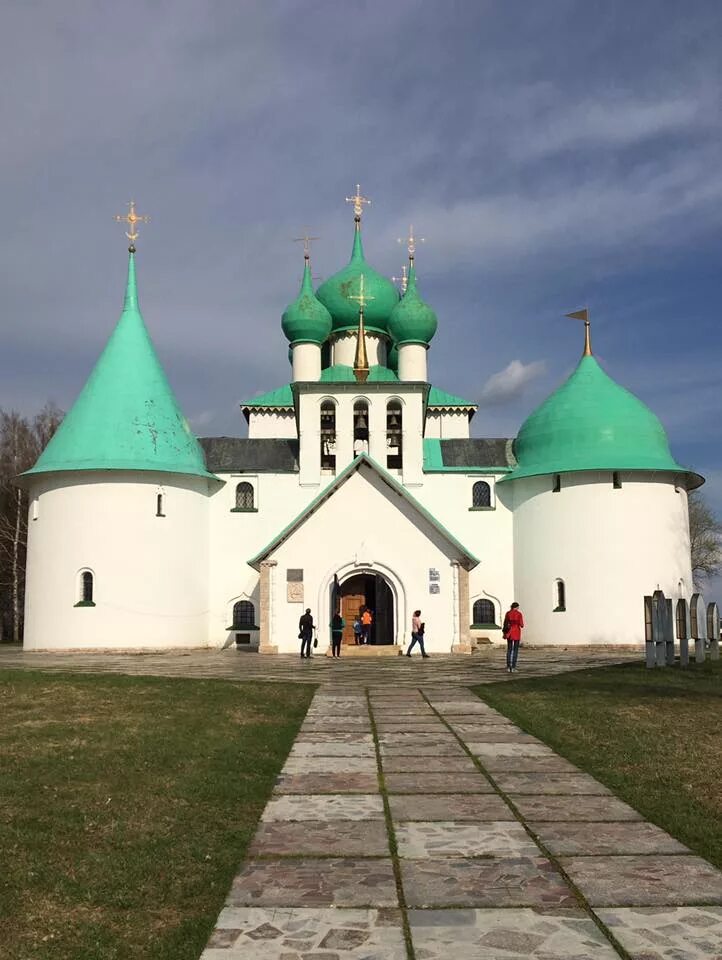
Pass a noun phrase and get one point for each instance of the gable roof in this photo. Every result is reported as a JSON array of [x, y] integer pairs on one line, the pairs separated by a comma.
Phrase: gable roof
[[467, 557]]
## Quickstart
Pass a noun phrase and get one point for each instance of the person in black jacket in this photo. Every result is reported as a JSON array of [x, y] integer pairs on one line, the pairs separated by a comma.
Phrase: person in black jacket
[[305, 632]]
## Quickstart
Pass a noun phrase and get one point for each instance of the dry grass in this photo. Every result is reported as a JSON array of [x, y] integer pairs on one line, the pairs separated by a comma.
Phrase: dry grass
[[653, 736], [126, 805]]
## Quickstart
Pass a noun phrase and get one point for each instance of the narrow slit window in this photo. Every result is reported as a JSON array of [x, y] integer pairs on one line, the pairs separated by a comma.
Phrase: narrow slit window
[[616, 480], [159, 505], [85, 590], [561, 596], [557, 483]]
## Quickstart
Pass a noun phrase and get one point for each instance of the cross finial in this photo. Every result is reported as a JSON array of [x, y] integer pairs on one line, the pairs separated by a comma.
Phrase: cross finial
[[358, 202], [306, 241], [403, 279], [132, 219], [361, 297], [411, 241]]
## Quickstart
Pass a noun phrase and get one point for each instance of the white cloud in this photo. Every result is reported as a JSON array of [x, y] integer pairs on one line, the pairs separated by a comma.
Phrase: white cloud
[[510, 383]]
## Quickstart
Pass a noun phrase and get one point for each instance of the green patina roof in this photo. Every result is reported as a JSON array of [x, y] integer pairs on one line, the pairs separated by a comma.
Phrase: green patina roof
[[591, 423], [306, 320], [412, 320], [126, 416], [335, 484], [334, 293], [342, 373]]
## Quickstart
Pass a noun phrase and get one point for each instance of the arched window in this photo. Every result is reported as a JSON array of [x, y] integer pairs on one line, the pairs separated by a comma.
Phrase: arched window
[[681, 619], [480, 495], [484, 612], [328, 435], [560, 592], [244, 614], [394, 435], [244, 496], [85, 589], [360, 427]]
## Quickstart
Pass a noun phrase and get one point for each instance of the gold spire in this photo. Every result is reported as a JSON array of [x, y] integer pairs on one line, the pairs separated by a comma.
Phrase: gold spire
[[584, 315], [306, 241], [411, 242], [361, 360], [403, 279], [132, 219], [358, 202]]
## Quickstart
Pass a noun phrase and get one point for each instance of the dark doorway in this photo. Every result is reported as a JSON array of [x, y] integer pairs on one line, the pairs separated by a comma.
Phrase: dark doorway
[[373, 591]]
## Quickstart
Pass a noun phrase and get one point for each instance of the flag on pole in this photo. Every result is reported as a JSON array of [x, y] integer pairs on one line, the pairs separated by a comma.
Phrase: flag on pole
[[579, 315]]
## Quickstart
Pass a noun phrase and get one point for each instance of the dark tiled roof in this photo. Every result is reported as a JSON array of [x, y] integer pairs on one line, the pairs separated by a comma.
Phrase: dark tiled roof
[[477, 452], [233, 454]]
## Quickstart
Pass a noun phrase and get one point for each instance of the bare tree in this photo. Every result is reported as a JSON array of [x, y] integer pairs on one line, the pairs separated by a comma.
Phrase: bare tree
[[705, 534], [21, 443]]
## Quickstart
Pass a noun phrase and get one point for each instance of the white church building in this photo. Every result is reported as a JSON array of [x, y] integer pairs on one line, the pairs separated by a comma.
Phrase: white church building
[[358, 484]]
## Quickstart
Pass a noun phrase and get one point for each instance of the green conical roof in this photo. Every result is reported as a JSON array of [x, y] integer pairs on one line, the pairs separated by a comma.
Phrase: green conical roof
[[334, 293], [126, 417], [591, 423], [306, 320], [411, 320]]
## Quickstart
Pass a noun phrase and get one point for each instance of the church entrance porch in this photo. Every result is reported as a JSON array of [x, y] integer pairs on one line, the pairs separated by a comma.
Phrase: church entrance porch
[[370, 590]]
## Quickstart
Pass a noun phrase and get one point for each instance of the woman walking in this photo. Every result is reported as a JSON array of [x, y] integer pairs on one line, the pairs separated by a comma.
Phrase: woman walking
[[417, 634], [337, 625], [511, 631]]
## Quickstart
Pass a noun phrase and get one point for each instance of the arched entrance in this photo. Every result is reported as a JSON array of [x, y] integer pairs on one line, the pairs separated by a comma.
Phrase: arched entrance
[[373, 590]]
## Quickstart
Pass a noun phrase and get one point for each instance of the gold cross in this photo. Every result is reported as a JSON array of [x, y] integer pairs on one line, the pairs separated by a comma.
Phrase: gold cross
[[132, 219], [403, 279], [411, 241], [358, 201], [306, 241], [362, 297]]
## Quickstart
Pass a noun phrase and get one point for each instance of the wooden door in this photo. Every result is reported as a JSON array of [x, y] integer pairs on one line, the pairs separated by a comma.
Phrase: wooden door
[[351, 603]]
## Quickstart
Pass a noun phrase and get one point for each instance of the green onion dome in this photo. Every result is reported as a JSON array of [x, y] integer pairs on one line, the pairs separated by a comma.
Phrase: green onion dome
[[336, 291], [306, 320], [412, 320], [392, 359], [592, 423]]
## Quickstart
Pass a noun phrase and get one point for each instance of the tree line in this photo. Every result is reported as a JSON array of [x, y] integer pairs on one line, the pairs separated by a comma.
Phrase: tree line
[[22, 440]]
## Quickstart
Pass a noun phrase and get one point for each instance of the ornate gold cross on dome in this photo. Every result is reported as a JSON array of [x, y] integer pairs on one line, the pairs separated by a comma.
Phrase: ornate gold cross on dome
[[306, 241], [361, 296], [411, 241], [132, 219], [358, 202]]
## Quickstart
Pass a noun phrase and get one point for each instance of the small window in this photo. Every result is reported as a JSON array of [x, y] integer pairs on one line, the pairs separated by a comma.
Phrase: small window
[[35, 509], [557, 483], [244, 496], [85, 589], [480, 498], [561, 596], [484, 613], [616, 480], [159, 505], [244, 614], [681, 619]]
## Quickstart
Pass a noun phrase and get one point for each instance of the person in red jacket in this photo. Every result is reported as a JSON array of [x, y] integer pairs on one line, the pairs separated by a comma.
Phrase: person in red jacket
[[513, 624]]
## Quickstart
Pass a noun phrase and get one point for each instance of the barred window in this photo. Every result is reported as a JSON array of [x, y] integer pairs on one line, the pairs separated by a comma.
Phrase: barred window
[[481, 495], [244, 496], [484, 612], [244, 614]]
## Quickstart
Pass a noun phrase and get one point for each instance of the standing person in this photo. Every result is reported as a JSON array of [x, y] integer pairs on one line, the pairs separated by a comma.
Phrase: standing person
[[417, 634], [337, 624], [367, 619], [513, 624], [357, 631], [305, 632]]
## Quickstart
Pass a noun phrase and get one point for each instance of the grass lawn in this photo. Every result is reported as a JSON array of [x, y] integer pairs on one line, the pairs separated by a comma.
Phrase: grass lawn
[[126, 805], [653, 736]]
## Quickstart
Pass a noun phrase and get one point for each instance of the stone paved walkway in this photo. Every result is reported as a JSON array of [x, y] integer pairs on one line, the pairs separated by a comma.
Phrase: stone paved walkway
[[483, 667], [420, 823]]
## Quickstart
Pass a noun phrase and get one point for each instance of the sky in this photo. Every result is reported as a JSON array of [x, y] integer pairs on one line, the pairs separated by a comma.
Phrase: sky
[[552, 154]]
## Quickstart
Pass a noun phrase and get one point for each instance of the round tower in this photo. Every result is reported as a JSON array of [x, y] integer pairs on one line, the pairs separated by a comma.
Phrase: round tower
[[600, 512], [118, 538]]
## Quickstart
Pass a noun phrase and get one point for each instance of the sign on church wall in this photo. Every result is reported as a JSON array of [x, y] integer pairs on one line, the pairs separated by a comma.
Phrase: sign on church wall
[[294, 585]]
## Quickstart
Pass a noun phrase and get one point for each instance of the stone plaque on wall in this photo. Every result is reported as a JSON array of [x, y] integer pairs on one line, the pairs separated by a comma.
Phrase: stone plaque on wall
[[294, 585]]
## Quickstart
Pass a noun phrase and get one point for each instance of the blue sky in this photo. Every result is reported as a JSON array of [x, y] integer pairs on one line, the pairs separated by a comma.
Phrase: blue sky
[[553, 154]]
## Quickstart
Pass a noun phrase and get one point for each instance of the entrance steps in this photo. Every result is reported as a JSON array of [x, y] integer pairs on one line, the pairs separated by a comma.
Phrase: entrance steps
[[368, 651]]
